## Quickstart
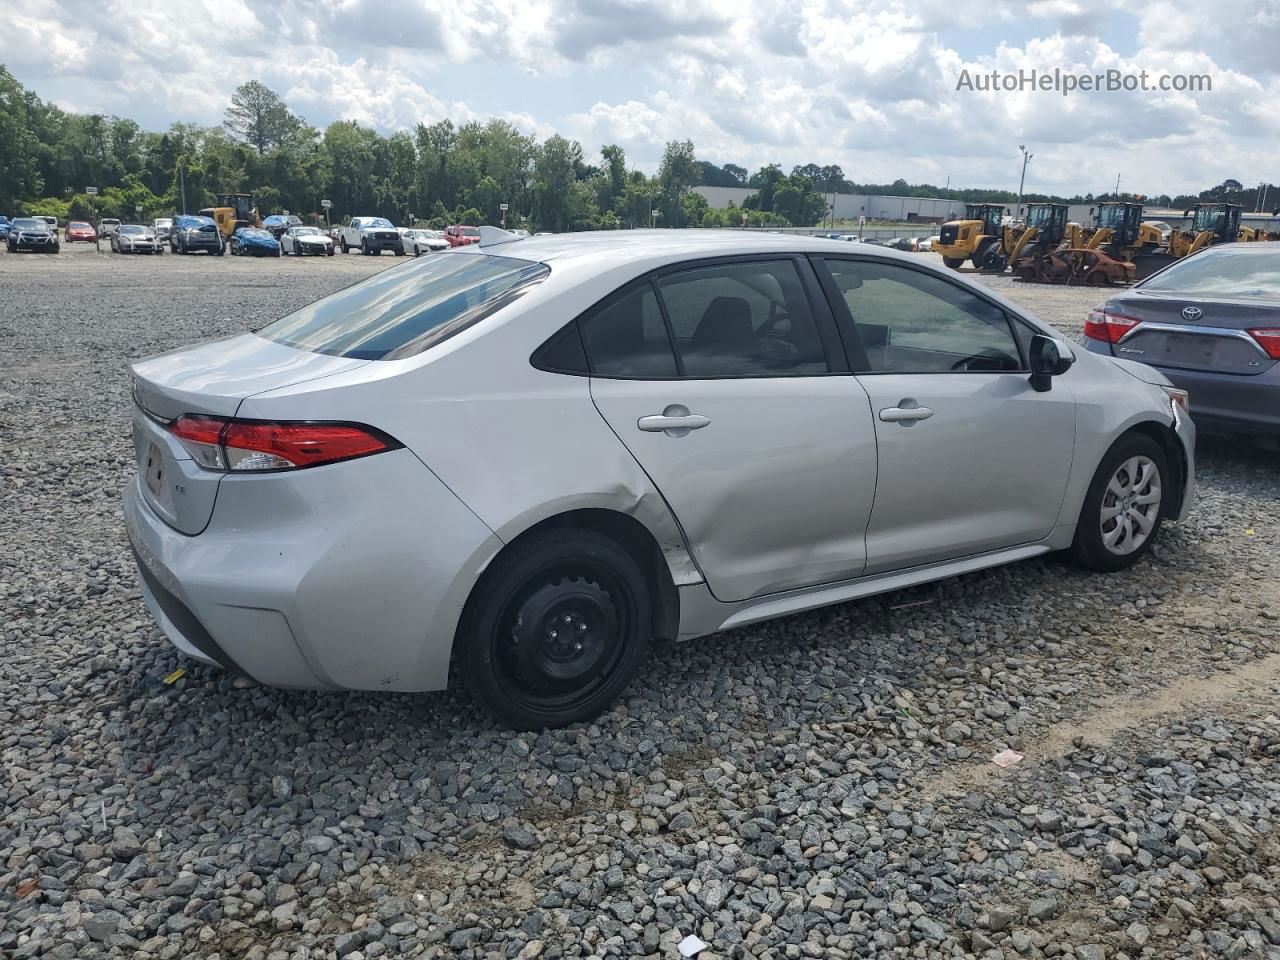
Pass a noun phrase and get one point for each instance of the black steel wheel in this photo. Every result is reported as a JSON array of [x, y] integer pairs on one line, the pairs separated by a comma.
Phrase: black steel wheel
[[556, 630]]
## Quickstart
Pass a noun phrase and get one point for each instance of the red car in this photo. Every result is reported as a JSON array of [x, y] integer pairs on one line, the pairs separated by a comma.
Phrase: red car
[[79, 230], [460, 236]]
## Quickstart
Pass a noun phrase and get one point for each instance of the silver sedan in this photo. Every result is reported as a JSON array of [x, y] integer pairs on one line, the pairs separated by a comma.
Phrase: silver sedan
[[533, 457]]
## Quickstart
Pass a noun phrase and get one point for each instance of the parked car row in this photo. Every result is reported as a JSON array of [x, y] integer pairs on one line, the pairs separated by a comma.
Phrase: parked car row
[[279, 235]]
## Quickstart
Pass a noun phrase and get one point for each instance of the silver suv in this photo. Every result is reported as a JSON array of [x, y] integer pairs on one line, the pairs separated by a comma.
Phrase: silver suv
[[534, 456]]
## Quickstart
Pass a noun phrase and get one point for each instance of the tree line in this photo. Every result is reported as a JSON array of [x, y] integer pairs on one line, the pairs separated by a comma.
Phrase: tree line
[[439, 173]]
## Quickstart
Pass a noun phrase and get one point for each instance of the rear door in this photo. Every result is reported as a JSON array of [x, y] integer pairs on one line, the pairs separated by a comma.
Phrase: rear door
[[971, 457], [727, 384]]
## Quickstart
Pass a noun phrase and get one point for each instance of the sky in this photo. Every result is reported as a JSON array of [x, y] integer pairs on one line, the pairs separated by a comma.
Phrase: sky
[[870, 85]]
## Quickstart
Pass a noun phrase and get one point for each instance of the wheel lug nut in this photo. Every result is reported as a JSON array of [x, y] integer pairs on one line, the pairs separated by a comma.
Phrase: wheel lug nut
[[577, 647], [552, 634], [582, 627]]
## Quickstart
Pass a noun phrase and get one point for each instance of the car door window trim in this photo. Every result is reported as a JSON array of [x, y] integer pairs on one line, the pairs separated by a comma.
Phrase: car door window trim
[[829, 336]]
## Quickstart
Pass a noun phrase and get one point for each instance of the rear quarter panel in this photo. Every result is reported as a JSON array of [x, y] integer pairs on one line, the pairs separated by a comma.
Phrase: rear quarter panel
[[517, 445]]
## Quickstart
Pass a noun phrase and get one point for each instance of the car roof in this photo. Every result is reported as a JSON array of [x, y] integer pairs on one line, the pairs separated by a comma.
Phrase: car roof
[[668, 245]]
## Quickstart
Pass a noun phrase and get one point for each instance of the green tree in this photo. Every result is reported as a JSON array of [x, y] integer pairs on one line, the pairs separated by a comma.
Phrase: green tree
[[677, 175], [554, 173], [19, 176], [259, 117]]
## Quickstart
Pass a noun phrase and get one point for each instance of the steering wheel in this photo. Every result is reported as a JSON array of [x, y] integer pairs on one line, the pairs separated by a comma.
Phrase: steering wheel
[[988, 359]]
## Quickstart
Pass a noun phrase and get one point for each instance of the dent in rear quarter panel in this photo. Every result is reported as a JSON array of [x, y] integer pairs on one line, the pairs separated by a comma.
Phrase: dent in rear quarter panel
[[515, 444], [1108, 402], [372, 559]]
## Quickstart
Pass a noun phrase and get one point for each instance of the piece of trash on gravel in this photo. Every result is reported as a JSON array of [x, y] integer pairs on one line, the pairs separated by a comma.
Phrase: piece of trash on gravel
[[174, 677], [692, 945], [27, 887], [1006, 758]]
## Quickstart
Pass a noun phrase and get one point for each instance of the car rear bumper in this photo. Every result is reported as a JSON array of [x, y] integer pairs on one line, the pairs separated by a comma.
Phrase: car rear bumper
[[350, 576], [1224, 403]]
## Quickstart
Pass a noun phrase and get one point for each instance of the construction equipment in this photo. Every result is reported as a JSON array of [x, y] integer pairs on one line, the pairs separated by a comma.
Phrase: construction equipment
[[1211, 223], [1043, 232], [1120, 233], [234, 210], [973, 237], [1074, 265]]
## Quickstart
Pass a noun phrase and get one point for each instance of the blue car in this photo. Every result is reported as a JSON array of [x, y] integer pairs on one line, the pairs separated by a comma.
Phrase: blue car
[[255, 242], [4, 228]]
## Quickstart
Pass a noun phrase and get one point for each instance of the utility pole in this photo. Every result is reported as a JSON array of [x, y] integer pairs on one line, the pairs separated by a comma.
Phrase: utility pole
[[1117, 186], [182, 187], [1026, 158]]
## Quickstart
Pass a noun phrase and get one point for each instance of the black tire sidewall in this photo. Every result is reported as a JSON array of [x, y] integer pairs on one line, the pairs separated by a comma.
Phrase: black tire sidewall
[[476, 654], [1088, 549]]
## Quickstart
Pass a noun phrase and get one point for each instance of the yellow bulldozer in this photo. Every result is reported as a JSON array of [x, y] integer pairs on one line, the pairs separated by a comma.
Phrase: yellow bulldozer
[[973, 237], [234, 210]]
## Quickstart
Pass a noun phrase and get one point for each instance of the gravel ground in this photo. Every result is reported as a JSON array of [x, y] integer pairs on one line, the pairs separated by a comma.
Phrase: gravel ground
[[820, 786]]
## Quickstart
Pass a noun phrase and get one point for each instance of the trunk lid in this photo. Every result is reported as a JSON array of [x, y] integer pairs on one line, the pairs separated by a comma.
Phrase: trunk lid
[[211, 378], [1187, 333]]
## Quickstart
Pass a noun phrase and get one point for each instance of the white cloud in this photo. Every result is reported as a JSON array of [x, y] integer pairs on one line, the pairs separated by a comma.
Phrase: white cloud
[[867, 84]]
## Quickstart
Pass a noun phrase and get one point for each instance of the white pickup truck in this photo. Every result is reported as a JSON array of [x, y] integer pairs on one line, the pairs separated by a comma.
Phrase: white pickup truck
[[370, 235]]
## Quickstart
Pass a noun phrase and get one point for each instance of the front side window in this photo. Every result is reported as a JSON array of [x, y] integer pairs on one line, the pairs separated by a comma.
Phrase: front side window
[[743, 319], [912, 322], [402, 312]]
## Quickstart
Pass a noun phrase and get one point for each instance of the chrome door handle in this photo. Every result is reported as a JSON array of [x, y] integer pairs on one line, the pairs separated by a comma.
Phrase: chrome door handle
[[674, 421], [905, 414]]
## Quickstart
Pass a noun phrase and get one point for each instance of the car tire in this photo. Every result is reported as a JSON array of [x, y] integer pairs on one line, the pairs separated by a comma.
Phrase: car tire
[[953, 262], [556, 629], [1110, 533], [330, 250], [345, 248]]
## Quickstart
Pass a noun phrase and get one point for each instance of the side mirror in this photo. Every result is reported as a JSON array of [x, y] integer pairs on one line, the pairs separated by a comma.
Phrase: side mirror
[[1050, 358]]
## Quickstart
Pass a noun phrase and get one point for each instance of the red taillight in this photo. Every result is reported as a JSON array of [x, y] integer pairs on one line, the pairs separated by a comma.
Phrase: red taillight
[[1108, 327], [1268, 339], [218, 443]]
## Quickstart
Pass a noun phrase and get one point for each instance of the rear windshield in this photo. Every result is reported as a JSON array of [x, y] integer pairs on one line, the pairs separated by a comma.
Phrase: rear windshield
[[1250, 274], [401, 312]]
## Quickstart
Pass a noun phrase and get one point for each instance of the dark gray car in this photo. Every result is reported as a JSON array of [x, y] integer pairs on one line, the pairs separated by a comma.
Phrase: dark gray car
[[1211, 324]]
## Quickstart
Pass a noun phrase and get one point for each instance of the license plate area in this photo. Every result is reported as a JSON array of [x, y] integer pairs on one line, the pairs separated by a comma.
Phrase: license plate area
[[1190, 348]]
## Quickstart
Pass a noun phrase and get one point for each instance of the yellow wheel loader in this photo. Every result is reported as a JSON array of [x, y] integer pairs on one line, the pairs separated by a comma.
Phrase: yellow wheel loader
[[1044, 231], [1120, 233], [972, 237], [1211, 224], [234, 210]]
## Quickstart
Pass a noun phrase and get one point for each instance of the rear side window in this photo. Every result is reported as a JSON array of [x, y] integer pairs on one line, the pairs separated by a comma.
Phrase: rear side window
[[403, 311], [628, 338], [737, 319], [743, 319]]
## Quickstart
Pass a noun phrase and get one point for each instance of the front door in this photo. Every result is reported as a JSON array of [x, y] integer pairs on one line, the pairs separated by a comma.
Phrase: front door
[[971, 457], [721, 384]]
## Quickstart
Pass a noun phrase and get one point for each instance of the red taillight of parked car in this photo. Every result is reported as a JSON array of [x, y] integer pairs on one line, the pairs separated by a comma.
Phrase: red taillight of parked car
[[1268, 339], [1108, 327], [219, 443]]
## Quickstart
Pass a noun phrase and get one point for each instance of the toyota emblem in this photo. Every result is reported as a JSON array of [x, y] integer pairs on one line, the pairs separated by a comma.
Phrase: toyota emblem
[[1192, 313]]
